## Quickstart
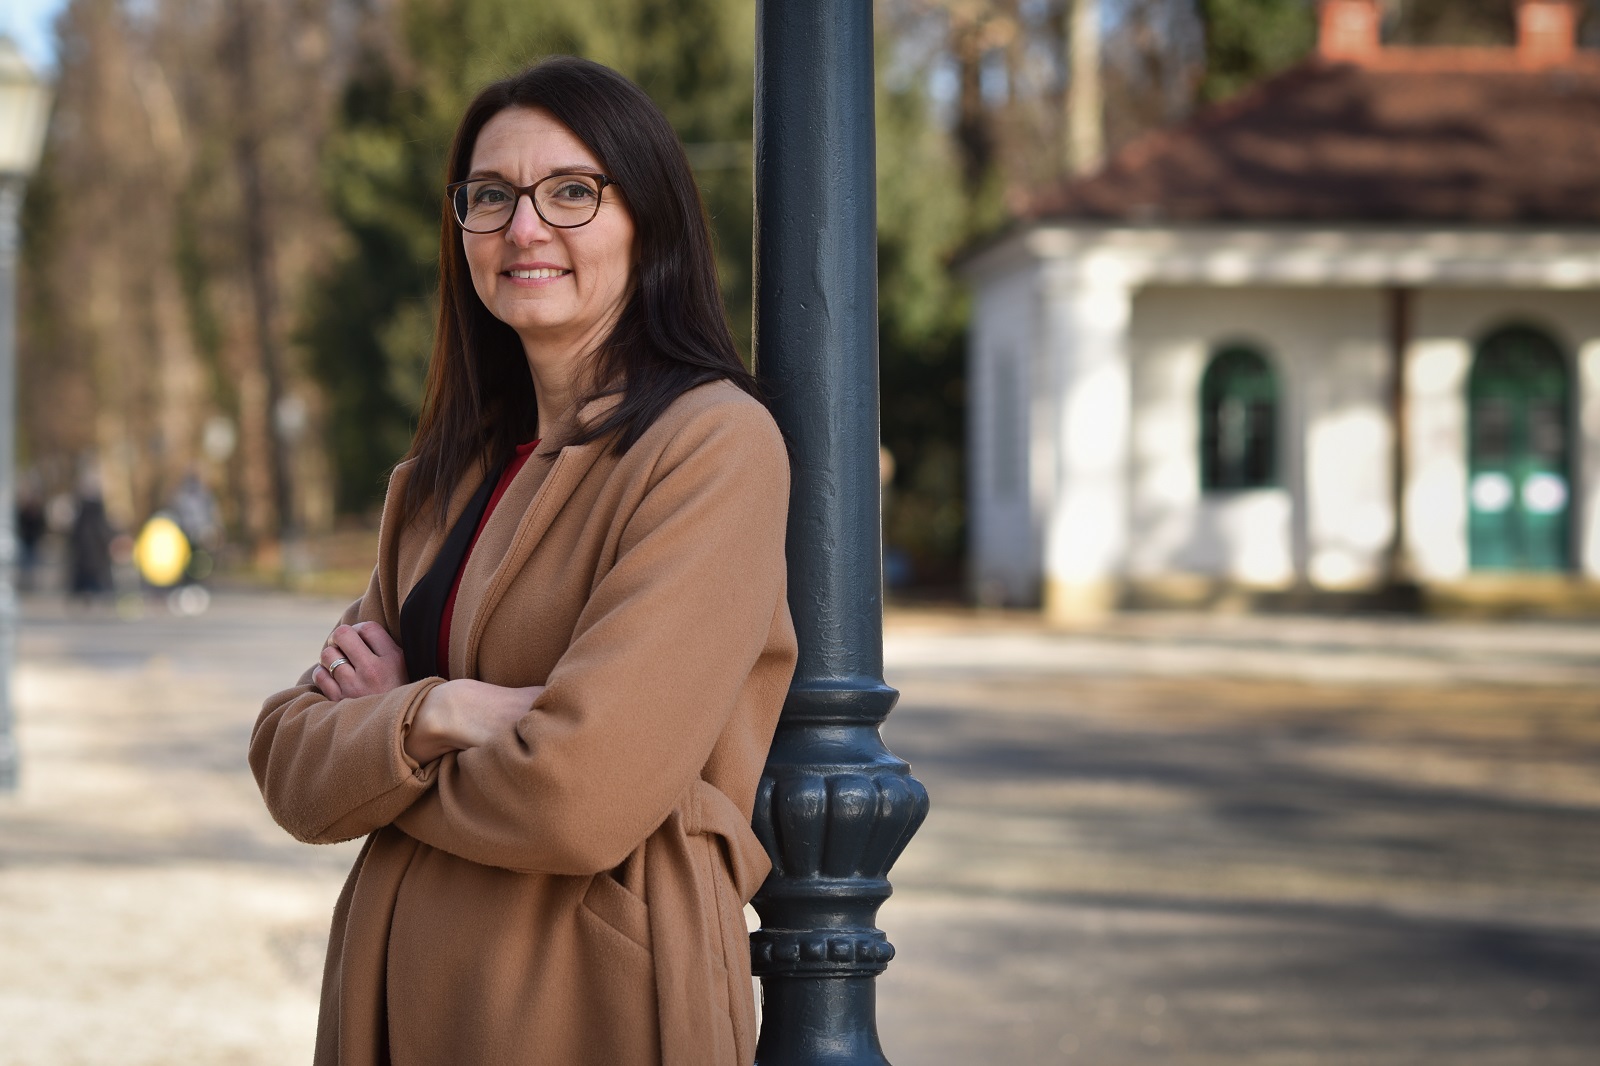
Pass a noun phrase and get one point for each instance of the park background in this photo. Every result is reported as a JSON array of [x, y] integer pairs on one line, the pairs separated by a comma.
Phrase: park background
[[228, 261]]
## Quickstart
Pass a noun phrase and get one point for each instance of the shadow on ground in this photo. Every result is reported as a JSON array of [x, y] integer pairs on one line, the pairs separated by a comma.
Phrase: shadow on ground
[[1131, 870]]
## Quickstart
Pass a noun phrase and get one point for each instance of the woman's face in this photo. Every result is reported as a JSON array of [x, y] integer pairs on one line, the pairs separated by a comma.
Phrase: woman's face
[[560, 289]]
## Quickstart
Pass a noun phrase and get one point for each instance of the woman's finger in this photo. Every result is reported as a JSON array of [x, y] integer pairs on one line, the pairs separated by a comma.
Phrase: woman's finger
[[387, 667], [363, 660], [334, 658], [340, 670], [326, 683], [378, 639], [351, 645]]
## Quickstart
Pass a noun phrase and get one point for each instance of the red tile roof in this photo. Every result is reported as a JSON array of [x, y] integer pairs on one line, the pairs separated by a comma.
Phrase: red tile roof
[[1428, 135]]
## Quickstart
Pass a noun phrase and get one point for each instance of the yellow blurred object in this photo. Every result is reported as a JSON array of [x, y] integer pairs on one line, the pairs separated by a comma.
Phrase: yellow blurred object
[[161, 552]]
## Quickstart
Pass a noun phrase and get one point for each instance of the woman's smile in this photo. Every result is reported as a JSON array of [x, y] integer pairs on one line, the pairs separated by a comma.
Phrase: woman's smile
[[537, 273]]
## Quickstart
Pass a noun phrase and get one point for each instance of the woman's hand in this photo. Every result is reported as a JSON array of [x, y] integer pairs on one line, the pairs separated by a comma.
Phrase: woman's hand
[[360, 660], [463, 714]]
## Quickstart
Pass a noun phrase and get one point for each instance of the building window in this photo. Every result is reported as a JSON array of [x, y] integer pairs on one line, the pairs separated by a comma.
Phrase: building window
[[1238, 422]]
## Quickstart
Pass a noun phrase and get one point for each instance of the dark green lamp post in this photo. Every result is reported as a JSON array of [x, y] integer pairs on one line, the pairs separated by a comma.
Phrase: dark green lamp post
[[835, 807]]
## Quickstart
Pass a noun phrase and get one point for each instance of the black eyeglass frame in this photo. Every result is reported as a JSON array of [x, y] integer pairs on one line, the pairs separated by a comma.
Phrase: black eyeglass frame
[[606, 181]]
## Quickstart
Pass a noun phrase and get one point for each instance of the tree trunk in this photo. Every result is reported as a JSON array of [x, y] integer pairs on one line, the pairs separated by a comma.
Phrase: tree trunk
[[974, 132], [1085, 94], [259, 261]]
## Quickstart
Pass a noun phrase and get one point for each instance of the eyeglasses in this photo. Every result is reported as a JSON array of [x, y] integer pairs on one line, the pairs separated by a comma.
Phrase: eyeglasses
[[565, 201]]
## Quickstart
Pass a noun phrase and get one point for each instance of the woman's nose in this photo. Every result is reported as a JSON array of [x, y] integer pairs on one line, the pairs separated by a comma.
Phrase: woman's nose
[[526, 227]]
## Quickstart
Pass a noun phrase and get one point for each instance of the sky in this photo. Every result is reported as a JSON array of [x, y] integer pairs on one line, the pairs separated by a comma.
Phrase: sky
[[28, 23]]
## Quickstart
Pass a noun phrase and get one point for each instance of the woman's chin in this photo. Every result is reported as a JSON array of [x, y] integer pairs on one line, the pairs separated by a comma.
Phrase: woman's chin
[[545, 327], [537, 323]]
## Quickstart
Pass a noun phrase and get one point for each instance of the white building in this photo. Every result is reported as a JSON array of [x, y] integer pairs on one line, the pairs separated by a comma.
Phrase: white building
[[1341, 335]]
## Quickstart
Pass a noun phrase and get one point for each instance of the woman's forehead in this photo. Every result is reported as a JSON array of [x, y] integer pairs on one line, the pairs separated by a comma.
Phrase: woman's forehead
[[529, 142]]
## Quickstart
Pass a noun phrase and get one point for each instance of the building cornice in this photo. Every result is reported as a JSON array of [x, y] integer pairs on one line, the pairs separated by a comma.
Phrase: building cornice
[[1285, 254]]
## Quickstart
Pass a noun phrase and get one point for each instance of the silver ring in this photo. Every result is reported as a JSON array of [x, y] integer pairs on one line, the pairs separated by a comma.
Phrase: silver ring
[[341, 661]]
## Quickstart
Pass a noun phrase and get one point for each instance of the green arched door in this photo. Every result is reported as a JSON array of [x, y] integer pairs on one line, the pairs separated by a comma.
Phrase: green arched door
[[1519, 471]]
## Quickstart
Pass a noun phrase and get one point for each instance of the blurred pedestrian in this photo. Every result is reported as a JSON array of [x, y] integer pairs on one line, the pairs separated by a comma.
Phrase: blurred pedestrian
[[31, 527], [195, 510], [89, 576]]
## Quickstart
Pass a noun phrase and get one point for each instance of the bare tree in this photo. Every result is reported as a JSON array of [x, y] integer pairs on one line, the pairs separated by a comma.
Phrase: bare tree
[[1085, 99], [1044, 89], [244, 56], [180, 208]]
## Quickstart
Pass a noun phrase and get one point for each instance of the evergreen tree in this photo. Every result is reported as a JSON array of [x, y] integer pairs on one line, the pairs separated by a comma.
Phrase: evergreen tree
[[1248, 40], [369, 317], [923, 219]]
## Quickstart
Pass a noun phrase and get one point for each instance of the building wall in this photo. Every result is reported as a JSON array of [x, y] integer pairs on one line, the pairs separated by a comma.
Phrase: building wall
[[1329, 350], [1329, 347], [1009, 461], [1329, 521]]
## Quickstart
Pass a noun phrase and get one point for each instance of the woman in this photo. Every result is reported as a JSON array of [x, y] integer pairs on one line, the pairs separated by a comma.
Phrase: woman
[[549, 713]]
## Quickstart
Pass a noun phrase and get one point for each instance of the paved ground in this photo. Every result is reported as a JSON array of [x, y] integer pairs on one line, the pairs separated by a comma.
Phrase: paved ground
[[1221, 841], [1177, 840]]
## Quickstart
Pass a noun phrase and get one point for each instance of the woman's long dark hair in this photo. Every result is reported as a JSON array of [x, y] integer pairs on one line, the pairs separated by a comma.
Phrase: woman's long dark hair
[[671, 336]]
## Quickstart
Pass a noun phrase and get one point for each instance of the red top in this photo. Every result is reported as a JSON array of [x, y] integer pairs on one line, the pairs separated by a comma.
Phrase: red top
[[506, 476]]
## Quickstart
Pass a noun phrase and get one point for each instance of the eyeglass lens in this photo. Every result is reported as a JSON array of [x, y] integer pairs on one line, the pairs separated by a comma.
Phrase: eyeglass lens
[[562, 200]]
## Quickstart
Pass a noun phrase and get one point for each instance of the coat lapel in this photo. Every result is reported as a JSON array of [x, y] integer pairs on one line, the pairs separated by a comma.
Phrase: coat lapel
[[519, 522]]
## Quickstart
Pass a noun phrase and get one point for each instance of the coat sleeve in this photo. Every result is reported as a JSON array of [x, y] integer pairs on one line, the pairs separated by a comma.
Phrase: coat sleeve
[[335, 771], [658, 662]]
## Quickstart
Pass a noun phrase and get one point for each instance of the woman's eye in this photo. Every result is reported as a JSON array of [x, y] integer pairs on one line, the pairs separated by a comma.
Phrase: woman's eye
[[574, 192], [491, 194]]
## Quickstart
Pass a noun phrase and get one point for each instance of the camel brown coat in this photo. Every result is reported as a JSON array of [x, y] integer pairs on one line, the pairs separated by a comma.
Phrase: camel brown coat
[[573, 893]]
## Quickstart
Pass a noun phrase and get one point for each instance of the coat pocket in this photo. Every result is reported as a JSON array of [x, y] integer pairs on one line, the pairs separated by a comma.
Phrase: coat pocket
[[619, 910], [613, 979]]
